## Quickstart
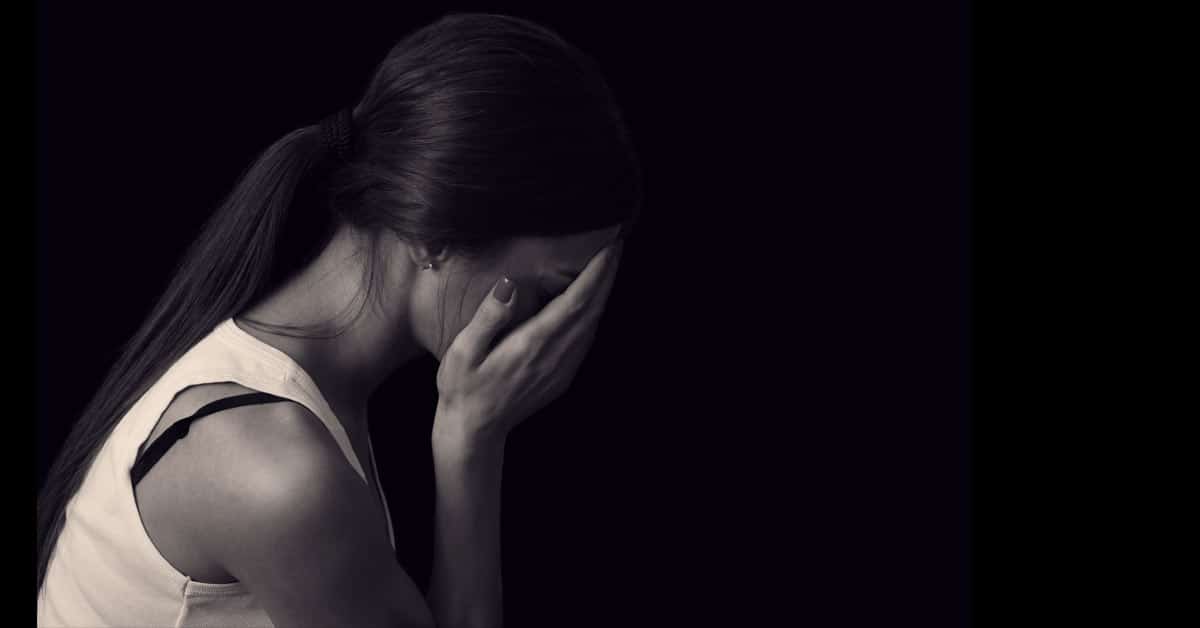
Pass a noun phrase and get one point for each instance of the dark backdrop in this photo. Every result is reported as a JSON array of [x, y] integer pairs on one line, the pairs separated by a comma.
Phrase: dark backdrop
[[773, 422]]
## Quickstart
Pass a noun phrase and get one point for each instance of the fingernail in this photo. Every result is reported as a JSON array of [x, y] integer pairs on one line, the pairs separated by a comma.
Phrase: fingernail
[[504, 290]]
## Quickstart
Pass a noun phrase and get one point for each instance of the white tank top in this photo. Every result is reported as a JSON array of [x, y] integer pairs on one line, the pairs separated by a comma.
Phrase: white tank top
[[105, 570]]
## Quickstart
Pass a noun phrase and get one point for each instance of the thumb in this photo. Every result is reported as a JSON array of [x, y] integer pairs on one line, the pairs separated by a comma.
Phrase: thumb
[[494, 312]]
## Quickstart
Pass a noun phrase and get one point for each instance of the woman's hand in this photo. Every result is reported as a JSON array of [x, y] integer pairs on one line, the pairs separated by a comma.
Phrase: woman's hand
[[483, 394]]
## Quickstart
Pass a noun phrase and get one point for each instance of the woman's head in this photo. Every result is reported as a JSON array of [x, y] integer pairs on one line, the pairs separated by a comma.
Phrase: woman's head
[[489, 143], [443, 298]]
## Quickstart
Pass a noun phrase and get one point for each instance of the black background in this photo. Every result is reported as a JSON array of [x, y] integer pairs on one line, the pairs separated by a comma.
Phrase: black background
[[773, 423]]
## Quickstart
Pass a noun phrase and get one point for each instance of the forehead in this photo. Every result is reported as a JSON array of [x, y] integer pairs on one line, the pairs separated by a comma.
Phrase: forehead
[[569, 252]]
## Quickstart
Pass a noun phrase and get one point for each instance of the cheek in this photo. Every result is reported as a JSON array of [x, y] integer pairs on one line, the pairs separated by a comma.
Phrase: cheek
[[450, 311], [459, 313], [529, 301]]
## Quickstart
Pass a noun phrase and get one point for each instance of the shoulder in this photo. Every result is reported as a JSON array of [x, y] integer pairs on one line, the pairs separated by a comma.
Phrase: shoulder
[[268, 459], [273, 492], [271, 463], [254, 463], [272, 502], [255, 439], [242, 429]]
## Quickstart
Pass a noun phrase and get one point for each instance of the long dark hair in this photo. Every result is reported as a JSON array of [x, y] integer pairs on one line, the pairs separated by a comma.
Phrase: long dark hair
[[473, 129]]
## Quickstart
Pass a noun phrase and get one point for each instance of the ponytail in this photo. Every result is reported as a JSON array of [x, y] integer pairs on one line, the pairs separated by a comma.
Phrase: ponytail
[[242, 251]]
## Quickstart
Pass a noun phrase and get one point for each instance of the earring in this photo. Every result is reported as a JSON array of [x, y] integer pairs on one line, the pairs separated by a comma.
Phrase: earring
[[427, 266]]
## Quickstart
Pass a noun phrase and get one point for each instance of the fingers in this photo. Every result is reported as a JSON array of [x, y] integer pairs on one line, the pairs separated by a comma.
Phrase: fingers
[[578, 335], [493, 314], [583, 299], [600, 300]]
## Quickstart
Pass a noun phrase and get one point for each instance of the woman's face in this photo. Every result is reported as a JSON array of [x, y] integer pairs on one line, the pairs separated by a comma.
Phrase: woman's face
[[446, 298]]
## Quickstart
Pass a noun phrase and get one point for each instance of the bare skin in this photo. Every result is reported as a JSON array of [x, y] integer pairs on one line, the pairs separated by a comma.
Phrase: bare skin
[[209, 503]]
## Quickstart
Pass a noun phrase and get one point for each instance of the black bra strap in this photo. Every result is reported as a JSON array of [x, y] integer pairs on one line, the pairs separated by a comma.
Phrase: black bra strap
[[180, 429]]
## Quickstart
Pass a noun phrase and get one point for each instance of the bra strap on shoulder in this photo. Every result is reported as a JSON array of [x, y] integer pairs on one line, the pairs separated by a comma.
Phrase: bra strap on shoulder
[[180, 428]]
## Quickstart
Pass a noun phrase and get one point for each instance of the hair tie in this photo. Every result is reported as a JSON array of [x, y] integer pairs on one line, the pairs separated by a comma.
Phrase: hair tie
[[337, 133]]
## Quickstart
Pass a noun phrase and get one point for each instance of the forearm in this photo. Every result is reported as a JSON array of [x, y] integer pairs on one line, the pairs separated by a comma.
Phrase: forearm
[[465, 586]]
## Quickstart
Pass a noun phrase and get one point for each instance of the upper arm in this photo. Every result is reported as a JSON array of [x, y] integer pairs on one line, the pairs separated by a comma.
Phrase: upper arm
[[290, 519]]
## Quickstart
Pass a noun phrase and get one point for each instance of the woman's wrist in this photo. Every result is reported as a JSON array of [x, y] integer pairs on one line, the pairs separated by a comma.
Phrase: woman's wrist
[[459, 435]]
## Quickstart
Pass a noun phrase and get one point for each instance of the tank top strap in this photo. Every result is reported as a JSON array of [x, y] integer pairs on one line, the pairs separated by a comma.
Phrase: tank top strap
[[304, 390], [288, 379]]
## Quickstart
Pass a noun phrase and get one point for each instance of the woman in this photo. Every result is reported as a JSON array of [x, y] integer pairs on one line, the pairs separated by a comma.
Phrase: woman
[[472, 205]]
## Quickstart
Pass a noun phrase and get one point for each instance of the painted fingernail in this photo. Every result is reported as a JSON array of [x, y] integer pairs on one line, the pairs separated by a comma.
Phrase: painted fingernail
[[504, 290]]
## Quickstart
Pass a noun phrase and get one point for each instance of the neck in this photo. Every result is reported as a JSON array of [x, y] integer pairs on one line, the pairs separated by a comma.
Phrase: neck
[[326, 296]]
